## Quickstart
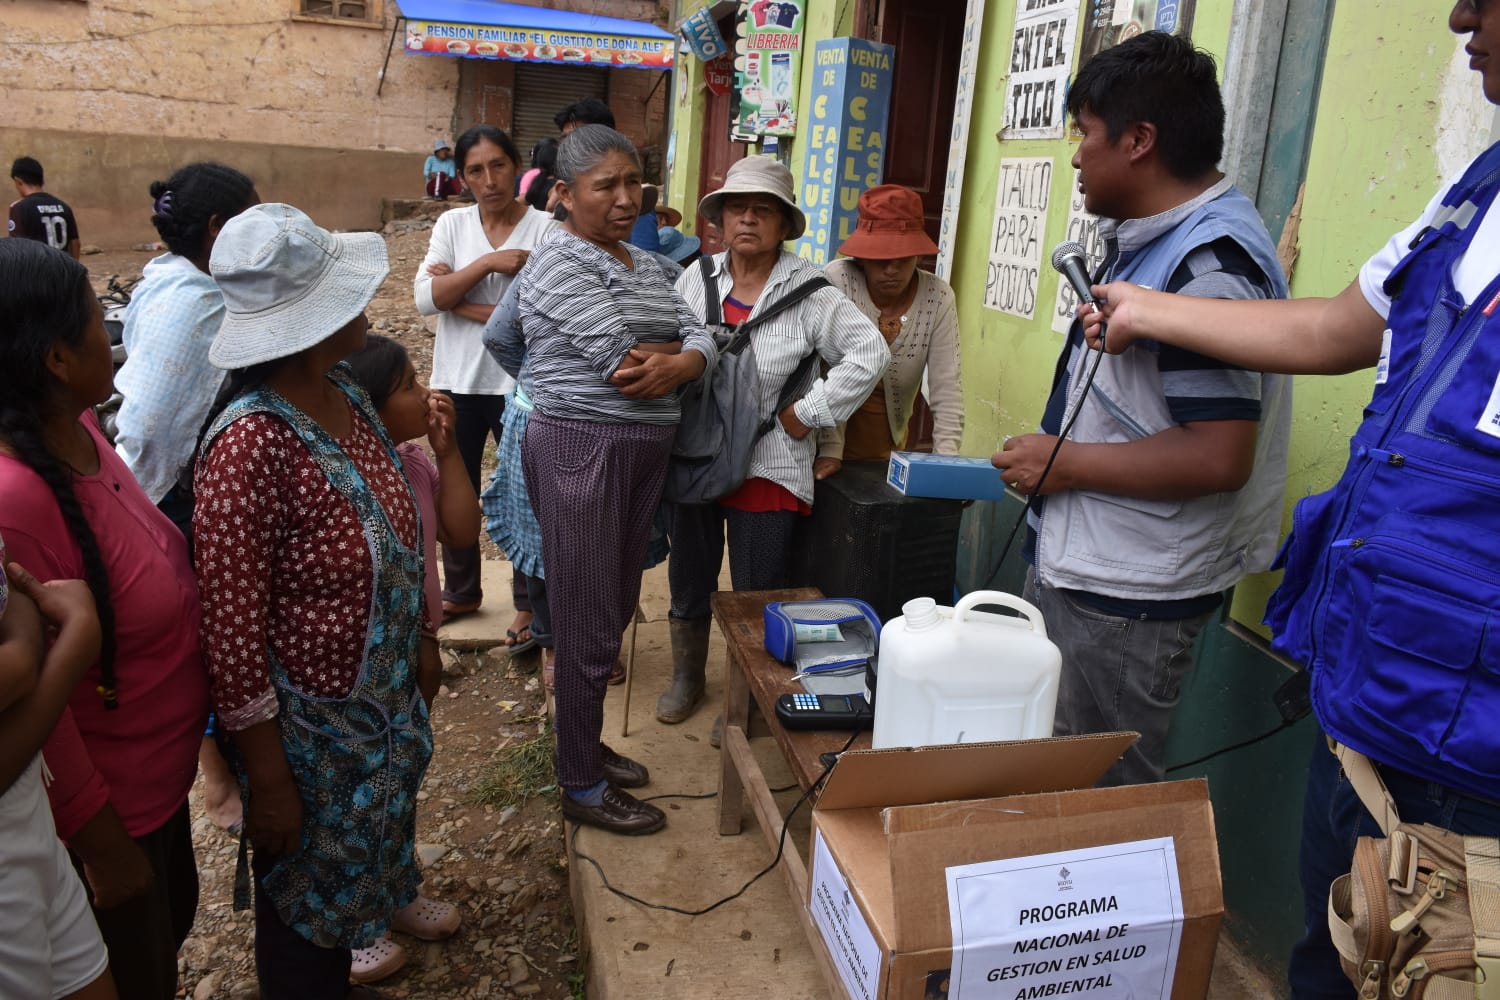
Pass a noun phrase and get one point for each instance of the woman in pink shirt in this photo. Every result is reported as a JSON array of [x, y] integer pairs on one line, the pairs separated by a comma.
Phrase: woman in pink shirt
[[124, 753]]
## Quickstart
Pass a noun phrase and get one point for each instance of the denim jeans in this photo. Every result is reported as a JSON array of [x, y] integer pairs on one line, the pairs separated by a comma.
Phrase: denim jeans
[[1118, 674], [1333, 819]]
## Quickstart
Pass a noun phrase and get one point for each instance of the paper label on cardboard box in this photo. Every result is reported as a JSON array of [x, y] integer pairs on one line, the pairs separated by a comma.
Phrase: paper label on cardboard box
[[1102, 922], [851, 944]]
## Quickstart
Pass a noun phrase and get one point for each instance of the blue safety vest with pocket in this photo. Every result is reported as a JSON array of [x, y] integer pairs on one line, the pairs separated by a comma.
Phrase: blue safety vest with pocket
[[1392, 589]]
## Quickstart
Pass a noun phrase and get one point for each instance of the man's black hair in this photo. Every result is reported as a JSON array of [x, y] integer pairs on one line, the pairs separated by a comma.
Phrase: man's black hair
[[589, 111], [27, 170], [1162, 79]]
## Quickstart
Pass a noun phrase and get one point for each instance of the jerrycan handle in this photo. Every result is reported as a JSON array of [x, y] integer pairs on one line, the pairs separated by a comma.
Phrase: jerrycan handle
[[1029, 612]]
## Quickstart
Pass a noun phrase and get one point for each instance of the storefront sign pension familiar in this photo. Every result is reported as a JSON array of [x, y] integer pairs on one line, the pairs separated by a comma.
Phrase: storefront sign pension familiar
[[536, 45]]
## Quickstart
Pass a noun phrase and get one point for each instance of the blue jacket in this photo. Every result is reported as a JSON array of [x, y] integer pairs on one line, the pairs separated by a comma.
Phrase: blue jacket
[[1392, 588]]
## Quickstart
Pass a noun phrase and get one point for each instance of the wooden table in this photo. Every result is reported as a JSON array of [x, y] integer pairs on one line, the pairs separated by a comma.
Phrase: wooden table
[[751, 674]]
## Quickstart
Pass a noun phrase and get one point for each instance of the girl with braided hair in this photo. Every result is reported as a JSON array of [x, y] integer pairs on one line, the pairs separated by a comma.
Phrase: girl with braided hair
[[123, 753]]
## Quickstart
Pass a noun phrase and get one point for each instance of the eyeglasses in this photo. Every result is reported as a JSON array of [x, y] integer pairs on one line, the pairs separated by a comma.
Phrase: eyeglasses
[[759, 209], [1475, 6]]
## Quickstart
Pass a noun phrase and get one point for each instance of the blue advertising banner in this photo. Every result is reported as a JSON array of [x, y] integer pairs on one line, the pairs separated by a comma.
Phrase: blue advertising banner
[[701, 32], [845, 131]]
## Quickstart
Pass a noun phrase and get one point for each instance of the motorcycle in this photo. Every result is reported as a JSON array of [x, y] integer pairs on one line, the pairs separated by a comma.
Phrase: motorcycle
[[114, 300]]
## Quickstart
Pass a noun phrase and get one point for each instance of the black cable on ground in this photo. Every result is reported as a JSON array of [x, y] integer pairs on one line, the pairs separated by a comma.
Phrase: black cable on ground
[[780, 847]]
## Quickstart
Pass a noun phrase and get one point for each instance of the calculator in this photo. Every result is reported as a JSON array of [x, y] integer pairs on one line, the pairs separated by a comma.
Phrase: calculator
[[826, 711]]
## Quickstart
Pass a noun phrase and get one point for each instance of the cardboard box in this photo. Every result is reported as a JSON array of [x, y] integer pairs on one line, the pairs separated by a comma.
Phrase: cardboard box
[[891, 822], [956, 477]]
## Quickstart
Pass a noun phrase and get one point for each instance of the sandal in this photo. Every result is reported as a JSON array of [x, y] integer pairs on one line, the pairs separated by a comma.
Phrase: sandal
[[427, 919], [381, 960], [517, 644], [453, 610]]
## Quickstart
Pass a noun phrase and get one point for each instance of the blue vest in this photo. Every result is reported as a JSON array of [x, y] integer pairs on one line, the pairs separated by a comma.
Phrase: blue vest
[[1158, 550], [1392, 588]]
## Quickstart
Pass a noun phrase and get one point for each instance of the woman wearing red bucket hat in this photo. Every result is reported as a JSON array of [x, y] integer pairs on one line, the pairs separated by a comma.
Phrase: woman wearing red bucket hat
[[916, 313]]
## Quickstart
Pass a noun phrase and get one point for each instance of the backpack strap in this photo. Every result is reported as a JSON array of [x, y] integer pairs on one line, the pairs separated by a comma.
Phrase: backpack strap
[[1482, 858], [788, 300], [713, 314], [1368, 785], [792, 387]]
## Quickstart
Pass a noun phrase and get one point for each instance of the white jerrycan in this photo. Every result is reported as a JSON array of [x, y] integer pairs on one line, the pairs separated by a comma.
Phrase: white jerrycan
[[956, 675]]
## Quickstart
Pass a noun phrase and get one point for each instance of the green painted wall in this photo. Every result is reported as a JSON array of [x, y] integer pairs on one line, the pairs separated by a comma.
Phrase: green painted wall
[[1398, 110]]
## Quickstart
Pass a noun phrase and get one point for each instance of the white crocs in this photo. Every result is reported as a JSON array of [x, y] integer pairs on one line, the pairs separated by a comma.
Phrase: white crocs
[[427, 919], [381, 960]]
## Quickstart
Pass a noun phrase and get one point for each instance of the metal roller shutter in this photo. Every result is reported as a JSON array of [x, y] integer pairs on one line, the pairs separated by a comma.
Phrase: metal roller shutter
[[542, 91]]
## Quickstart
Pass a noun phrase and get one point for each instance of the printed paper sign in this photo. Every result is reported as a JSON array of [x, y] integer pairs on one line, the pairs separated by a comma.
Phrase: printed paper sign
[[1107, 23], [1102, 923], [851, 945], [844, 139], [769, 66], [1083, 229], [1041, 59], [1021, 200]]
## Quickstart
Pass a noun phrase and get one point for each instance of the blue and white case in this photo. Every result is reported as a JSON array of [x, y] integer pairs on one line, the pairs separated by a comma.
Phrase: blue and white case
[[856, 620]]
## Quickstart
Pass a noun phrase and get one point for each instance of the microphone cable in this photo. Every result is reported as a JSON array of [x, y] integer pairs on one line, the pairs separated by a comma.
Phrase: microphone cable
[[780, 845], [1036, 491]]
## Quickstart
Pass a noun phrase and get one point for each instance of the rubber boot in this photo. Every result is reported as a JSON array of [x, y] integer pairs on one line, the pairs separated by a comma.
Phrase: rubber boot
[[689, 660]]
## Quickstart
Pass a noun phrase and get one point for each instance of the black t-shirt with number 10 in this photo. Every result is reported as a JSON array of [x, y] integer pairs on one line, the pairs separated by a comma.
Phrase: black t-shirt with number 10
[[43, 218]]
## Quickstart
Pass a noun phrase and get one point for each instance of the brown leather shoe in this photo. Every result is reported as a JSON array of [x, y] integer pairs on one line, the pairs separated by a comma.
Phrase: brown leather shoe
[[619, 812], [621, 771]]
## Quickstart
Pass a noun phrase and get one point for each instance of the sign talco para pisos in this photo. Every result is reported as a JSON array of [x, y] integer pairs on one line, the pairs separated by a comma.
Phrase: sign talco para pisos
[[843, 139], [767, 63]]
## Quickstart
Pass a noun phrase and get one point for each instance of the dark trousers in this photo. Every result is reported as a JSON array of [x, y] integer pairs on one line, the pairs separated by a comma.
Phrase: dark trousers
[[595, 489], [144, 933], [541, 611], [760, 551], [477, 418], [289, 966], [441, 186], [1333, 819]]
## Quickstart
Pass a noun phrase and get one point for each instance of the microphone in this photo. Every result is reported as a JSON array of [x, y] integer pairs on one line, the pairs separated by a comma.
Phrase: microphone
[[1068, 261]]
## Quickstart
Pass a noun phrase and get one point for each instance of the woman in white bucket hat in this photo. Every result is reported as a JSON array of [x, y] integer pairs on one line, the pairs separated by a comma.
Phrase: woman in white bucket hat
[[757, 213], [310, 564]]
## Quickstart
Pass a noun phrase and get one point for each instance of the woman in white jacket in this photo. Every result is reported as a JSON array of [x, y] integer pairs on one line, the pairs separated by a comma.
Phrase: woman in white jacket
[[474, 254]]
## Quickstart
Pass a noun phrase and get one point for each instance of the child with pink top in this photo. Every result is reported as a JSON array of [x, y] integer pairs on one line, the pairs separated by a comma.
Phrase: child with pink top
[[450, 514]]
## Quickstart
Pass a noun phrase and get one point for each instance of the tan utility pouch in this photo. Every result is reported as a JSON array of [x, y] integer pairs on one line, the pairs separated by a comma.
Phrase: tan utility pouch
[[1419, 915]]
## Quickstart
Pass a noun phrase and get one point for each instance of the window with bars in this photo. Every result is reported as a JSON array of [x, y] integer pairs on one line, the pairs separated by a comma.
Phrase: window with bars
[[352, 10]]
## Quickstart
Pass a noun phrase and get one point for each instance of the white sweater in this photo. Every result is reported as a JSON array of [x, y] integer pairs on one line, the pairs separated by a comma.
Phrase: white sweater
[[460, 362]]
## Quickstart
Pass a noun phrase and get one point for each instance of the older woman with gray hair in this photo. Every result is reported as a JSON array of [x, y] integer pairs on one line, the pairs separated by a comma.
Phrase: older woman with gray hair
[[609, 343]]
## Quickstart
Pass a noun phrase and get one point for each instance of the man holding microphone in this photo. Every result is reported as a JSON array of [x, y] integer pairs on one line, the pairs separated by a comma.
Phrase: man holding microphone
[[1169, 486]]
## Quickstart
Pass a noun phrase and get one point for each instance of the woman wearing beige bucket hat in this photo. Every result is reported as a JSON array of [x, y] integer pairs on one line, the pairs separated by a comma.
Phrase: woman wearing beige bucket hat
[[310, 565], [758, 213], [918, 317]]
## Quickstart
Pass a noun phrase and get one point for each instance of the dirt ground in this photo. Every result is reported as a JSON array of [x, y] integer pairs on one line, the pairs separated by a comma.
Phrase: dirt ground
[[505, 868]]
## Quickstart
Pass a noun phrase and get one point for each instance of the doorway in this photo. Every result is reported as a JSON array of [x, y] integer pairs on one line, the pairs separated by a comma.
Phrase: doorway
[[927, 35]]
